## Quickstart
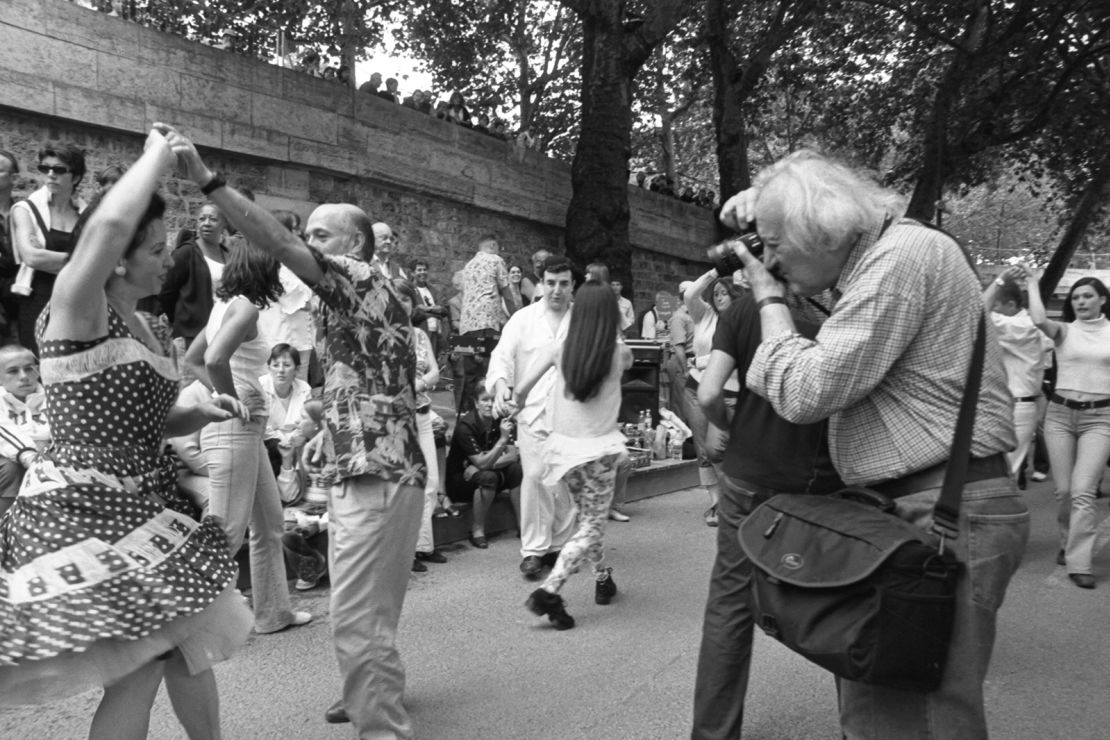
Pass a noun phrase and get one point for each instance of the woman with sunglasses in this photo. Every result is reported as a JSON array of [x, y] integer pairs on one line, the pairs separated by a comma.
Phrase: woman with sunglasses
[[42, 233]]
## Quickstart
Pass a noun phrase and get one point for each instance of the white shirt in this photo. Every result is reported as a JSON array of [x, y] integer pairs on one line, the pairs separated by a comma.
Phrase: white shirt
[[1025, 352], [523, 335], [628, 313]]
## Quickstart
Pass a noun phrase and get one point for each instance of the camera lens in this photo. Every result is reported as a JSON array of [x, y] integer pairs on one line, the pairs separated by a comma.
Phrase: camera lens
[[724, 258]]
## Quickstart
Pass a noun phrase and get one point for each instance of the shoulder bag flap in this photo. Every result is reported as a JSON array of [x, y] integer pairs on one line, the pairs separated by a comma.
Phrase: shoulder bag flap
[[823, 542]]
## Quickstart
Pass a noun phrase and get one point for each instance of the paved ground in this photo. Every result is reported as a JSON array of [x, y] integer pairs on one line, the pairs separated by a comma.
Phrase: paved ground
[[481, 667]]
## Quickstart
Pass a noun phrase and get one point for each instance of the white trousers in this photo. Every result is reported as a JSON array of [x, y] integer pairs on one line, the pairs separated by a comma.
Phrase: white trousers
[[548, 516]]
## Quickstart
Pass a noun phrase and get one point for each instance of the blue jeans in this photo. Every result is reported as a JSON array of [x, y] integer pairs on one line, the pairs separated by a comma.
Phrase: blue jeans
[[993, 529], [1078, 446], [243, 493]]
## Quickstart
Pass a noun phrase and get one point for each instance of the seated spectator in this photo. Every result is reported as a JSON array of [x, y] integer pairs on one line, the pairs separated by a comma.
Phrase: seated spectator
[[23, 425], [483, 124], [482, 462], [456, 111], [371, 86], [441, 110], [308, 472], [390, 92], [310, 63], [287, 394], [329, 73], [500, 130], [343, 75], [687, 195], [640, 177]]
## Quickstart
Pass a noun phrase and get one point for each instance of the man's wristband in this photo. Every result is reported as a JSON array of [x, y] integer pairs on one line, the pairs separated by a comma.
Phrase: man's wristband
[[214, 184], [770, 300]]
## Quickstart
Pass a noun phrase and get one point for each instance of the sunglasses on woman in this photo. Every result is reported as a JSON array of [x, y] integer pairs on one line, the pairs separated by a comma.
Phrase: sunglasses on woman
[[57, 169]]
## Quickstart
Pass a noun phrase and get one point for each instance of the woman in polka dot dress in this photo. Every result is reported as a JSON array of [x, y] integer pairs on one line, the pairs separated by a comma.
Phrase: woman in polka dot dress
[[102, 581]]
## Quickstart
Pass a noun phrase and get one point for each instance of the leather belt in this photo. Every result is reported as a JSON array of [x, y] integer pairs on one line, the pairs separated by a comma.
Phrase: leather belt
[[1080, 405], [978, 468], [1026, 399]]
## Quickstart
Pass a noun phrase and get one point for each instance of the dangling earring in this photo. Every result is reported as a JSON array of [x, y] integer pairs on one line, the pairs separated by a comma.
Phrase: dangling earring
[[120, 270]]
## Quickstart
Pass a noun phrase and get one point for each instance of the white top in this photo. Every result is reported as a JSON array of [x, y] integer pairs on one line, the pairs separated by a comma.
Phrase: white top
[[628, 313], [1025, 352], [215, 269], [247, 363], [583, 430], [289, 319], [1083, 357], [524, 334]]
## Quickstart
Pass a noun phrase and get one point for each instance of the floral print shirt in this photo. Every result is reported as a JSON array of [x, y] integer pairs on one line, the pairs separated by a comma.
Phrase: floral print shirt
[[364, 340], [484, 277]]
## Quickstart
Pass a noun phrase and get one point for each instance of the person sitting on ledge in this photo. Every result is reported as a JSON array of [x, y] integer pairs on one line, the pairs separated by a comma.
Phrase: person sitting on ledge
[[483, 461]]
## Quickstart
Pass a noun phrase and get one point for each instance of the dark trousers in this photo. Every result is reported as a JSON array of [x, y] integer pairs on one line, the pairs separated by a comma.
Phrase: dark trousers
[[726, 638]]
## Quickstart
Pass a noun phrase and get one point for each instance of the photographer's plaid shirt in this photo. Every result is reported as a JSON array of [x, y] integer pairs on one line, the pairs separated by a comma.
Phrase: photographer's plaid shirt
[[889, 365]]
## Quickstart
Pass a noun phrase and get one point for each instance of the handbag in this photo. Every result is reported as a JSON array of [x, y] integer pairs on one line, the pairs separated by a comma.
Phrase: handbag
[[846, 584]]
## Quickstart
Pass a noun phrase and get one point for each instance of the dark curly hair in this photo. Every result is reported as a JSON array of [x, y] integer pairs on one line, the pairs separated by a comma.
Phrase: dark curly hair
[[251, 273]]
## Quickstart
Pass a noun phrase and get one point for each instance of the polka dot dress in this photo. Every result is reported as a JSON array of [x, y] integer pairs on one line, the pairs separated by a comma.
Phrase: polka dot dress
[[91, 551]]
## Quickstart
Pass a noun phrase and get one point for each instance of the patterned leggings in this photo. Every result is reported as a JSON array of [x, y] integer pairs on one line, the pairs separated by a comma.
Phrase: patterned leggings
[[591, 487]]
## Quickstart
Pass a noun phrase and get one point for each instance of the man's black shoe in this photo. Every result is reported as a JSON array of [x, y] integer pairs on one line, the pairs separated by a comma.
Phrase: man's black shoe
[[605, 589], [531, 567], [435, 556], [549, 559], [336, 714]]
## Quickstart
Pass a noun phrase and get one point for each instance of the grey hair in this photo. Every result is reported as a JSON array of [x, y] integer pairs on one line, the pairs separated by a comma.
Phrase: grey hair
[[824, 204]]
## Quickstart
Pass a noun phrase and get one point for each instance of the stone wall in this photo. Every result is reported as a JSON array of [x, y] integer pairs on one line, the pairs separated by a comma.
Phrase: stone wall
[[74, 74]]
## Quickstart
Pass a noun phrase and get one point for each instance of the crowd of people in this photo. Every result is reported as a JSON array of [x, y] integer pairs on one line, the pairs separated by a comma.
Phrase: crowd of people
[[303, 423], [664, 185]]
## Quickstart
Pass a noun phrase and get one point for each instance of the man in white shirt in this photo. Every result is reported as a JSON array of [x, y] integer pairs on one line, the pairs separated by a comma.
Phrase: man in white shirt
[[547, 514], [1026, 354], [628, 313]]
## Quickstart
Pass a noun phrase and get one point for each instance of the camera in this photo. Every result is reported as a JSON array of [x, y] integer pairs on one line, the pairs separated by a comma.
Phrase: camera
[[724, 258]]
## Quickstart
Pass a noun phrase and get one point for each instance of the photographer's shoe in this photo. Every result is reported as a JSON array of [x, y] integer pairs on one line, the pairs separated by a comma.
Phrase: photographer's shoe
[[543, 603], [606, 587]]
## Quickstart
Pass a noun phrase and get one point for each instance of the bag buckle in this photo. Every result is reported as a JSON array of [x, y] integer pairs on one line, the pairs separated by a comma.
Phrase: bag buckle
[[943, 533]]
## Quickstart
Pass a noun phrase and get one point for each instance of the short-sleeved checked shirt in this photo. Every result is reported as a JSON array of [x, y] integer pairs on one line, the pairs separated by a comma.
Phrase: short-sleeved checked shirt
[[364, 340], [888, 367]]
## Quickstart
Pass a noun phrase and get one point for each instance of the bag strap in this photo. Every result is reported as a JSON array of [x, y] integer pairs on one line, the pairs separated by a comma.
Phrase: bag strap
[[38, 217], [946, 512]]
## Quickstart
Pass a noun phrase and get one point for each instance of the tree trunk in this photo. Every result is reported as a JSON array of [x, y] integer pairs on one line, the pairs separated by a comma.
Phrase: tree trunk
[[597, 219], [733, 170], [666, 128], [1094, 196], [936, 160]]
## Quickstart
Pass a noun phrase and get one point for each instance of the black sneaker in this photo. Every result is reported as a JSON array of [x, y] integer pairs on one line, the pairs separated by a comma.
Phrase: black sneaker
[[606, 588], [541, 602], [531, 567], [435, 556], [418, 567]]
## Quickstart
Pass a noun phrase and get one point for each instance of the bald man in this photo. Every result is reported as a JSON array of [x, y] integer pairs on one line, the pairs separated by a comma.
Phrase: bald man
[[364, 340], [384, 244]]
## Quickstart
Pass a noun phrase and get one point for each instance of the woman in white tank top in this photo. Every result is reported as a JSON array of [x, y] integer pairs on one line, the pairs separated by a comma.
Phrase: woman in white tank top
[[586, 445], [230, 356], [1077, 423]]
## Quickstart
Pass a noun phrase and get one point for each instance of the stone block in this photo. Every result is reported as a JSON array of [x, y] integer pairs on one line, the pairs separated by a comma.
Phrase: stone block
[[48, 58], [210, 97], [69, 22], [296, 119], [245, 139], [312, 153], [317, 93], [288, 182], [205, 131], [99, 108], [381, 113], [146, 82], [26, 92], [189, 57]]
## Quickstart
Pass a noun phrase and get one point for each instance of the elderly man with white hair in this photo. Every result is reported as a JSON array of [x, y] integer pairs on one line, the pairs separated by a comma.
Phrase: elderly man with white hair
[[888, 370], [384, 244], [365, 343]]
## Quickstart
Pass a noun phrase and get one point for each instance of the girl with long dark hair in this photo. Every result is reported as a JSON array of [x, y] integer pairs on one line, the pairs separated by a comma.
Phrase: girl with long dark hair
[[586, 445]]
